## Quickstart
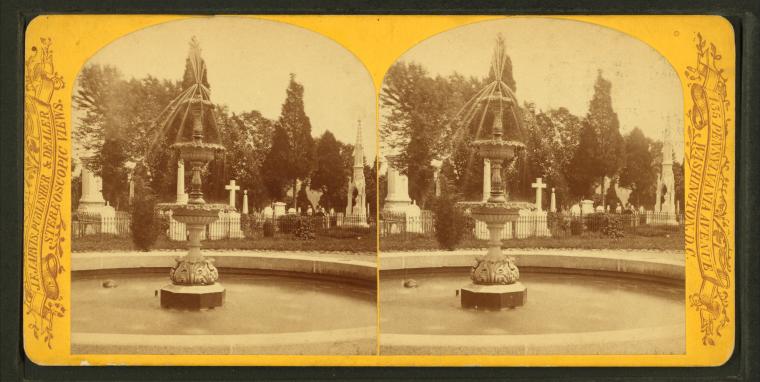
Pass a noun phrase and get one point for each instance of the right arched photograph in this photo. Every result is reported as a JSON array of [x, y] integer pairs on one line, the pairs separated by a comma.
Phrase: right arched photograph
[[531, 193]]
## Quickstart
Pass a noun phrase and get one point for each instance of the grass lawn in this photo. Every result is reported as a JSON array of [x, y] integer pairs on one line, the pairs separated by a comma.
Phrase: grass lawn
[[364, 243], [672, 241]]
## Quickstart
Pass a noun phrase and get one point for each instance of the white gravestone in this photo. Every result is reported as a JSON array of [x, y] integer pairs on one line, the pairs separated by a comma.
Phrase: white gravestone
[[232, 188], [413, 218], [182, 196], [245, 202], [587, 207], [553, 202], [539, 186], [279, 209], [486, 179], [92, 201]]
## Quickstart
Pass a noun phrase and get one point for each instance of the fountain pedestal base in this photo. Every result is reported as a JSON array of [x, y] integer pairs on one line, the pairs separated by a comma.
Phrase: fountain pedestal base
[[493, 297], [192, 297]]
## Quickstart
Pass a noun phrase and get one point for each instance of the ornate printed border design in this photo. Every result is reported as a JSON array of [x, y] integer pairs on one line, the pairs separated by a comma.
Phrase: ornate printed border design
[[708, 226], [46, 161]]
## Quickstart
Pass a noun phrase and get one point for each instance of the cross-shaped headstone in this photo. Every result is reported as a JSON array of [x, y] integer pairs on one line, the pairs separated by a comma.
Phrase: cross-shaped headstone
[[232, 188], [539, 186]]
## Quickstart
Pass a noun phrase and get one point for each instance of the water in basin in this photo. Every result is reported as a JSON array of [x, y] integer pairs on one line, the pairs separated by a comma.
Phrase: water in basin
[[557, 303], [254, 304]]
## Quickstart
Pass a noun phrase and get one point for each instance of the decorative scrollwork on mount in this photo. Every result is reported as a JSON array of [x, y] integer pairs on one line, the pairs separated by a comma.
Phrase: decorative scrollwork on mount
[[707, 225], [187, 272], [46, 158], [495, 272]]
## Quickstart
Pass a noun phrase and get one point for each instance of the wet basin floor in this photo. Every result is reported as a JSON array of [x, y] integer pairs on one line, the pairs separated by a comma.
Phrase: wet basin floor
[[254, 304], [557, 303]]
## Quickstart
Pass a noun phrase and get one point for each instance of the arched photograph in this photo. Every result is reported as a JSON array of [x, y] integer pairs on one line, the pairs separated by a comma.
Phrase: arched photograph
[[223, 193], [531, 193]]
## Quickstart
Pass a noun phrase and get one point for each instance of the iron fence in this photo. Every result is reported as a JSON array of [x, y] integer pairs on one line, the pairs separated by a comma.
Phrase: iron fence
[[547, 224], [228, 226]]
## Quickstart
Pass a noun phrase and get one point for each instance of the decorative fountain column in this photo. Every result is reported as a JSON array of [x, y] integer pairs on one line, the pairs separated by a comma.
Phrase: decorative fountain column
[[194, 278], [495, 277]]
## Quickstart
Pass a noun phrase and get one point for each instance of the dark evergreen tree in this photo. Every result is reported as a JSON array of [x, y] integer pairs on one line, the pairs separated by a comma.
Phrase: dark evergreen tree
[[113, 172], [603, 119], [583, 164], [370, 189], [678, 179], [296, 124], [638, 174], [272, 169], [331, 173]]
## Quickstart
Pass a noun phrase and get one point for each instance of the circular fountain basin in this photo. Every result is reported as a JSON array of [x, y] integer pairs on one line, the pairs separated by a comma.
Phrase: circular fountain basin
[[580, 302], [274, 304]]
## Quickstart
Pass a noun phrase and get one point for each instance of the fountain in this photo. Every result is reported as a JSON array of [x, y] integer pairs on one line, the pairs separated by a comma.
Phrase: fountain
[[191, 117], [582, 301], [495, 276], [311, 291]]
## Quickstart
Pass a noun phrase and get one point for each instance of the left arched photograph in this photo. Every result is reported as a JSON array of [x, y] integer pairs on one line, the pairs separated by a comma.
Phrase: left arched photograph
[[223, 193]]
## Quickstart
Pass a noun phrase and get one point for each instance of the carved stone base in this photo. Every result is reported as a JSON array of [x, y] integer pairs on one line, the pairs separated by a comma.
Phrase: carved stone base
[[192, 297], [493, 297], [194, 272], [499, 271]]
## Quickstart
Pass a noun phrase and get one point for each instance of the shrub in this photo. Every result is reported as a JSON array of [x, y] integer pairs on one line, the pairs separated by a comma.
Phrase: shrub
[[144, 225], [249, 225], [304, 229], [612, 226], [268, 228], [558, 222], [449, 223]]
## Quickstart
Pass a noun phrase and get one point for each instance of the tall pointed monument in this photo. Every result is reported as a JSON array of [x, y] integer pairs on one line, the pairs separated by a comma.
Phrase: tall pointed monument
[[357, 208]]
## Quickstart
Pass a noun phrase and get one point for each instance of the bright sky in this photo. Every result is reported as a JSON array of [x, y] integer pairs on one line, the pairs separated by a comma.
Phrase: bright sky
[[555, 64], [249, 62]]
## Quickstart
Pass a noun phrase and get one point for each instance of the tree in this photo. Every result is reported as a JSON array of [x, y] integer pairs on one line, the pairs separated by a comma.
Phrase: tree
[[678, 180], [275, 178], [143, 225], [94, 99], [638, 174], [112, 157], [331, 172], [603, 120], [419, 123], [302, 200], [297, 127], [370, 189], [113, 109], [583, 164]]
